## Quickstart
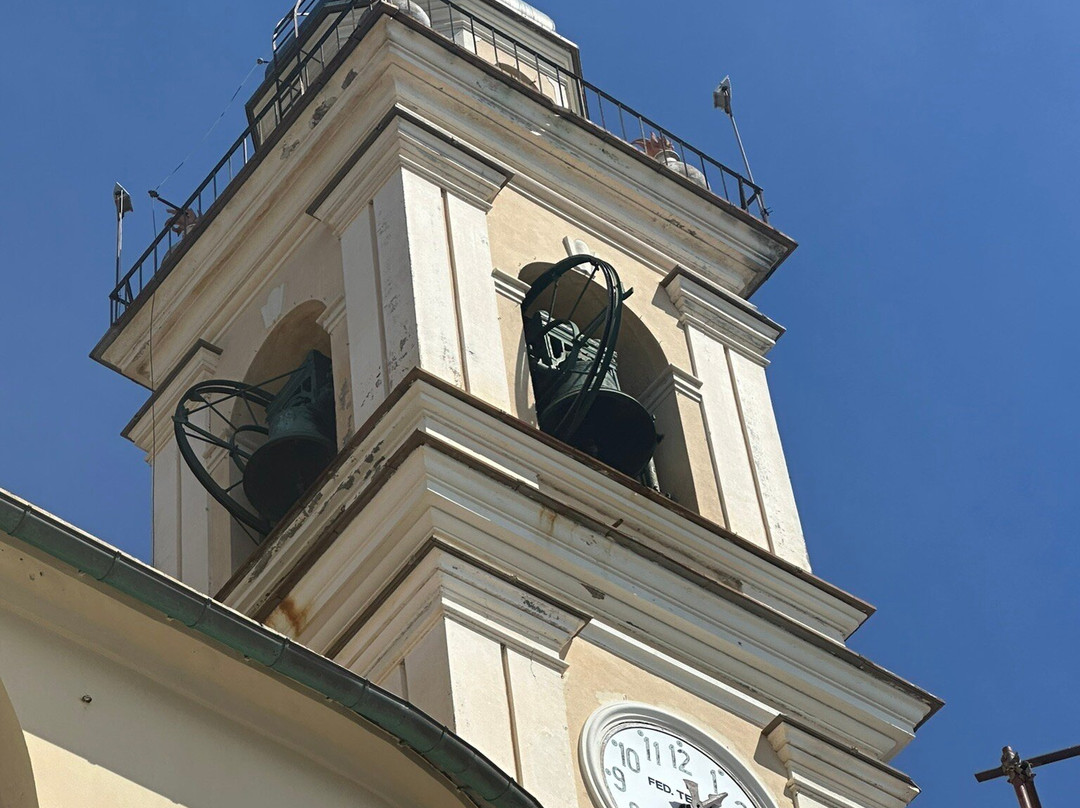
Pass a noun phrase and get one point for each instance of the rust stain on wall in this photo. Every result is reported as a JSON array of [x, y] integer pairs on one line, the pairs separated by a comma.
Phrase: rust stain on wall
[[295, 616]]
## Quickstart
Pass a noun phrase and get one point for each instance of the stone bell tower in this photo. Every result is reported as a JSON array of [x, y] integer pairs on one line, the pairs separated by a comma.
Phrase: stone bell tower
[[632, 638]]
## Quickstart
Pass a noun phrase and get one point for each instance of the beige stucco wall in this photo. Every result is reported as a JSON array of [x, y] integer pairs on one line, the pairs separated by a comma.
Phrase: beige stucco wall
[[597, 678], [120, 709]]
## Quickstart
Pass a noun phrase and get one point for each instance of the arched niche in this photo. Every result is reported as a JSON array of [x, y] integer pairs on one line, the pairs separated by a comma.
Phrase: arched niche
[[283, 350], [17, 789], [285, 347], [642, 363]]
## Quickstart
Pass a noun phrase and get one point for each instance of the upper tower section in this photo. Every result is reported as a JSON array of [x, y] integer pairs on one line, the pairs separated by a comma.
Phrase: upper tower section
[[410, 172]]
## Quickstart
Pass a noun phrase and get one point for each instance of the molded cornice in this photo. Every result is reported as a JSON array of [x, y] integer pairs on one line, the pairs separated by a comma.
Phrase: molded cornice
[[825, 774], [724, 316]]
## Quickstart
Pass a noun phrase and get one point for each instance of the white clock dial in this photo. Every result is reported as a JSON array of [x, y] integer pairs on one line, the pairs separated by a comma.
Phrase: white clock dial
[[649, 767], [636, 756]]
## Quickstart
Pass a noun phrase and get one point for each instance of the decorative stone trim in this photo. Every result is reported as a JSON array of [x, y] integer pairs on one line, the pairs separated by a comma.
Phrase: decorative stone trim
[[672, 380], [401, 140], [510, 287], [199, 364], [822, 772], [445, 586], [575, 246], [678, 673], [330, 319], [721, 314]]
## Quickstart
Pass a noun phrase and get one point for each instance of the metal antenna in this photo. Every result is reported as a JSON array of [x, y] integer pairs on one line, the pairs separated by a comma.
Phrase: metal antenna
[[122, 200]]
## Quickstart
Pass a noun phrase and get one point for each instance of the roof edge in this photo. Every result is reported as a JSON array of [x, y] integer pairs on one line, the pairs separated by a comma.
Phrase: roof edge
[[461, 764]]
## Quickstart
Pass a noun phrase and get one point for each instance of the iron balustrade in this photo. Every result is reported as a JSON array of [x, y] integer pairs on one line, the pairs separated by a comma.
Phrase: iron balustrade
[[296, 67]]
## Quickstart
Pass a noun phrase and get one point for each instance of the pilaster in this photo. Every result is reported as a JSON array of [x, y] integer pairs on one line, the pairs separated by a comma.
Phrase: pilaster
[[484, 655], [410, 207], [181, 527], [683, 460], [335, 324], [728, 341]]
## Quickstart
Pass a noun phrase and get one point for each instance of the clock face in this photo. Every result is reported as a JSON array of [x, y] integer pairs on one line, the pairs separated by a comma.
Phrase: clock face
[[639, 763]]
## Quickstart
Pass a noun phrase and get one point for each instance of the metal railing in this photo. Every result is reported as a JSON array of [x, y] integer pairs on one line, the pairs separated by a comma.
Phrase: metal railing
[[298, 67], [292, 76]]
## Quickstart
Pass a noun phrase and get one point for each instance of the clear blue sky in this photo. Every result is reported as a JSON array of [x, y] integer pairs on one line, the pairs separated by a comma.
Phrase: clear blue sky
[[923, 153]]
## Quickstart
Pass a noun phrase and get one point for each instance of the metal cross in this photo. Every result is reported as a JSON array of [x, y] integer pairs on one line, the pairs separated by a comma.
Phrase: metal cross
[[1020, 775]]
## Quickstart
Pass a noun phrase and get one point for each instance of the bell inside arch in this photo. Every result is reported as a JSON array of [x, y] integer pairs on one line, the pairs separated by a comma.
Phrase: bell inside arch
[[615, 427], [301, 440]]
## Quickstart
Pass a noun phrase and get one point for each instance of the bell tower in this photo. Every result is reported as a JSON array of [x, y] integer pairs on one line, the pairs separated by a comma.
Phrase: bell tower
[[455, 379]]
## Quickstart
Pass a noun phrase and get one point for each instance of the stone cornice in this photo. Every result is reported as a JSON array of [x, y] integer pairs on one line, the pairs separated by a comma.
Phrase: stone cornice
[[499, 439], [822, 772], [444, 585], [199, 364], [401, 140], [721, 314], [678, 673], [434, 462]]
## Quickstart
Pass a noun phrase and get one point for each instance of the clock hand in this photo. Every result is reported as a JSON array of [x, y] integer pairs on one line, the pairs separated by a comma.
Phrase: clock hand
[[714, 800]]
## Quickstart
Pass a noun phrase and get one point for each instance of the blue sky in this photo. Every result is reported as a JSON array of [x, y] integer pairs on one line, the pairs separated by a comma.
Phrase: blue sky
[[923, 153]]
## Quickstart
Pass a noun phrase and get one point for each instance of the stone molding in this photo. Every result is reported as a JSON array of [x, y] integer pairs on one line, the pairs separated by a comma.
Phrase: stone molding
[[399, 141], [332, 317], [678, 673], [436, 462], [445, 585], [156, 414], [824, 774], [509, 286], [721, 315], [671, 381]]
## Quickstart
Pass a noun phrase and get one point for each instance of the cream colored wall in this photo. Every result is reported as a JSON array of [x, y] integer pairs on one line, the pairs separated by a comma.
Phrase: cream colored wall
[[596, 678], [17, 788], [311, 273], [120, 709], [138, 744]]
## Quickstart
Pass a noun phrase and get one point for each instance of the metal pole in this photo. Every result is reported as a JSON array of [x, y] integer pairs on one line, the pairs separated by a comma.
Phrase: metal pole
[[119, 244], [742, 151], [722, 101], [1022, 778], [122, 200]]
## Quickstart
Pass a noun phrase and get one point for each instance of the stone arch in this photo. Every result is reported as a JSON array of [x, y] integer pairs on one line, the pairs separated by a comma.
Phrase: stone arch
[[642, 365], [288, 343], [17, 789], [285, 347], [641, 357]]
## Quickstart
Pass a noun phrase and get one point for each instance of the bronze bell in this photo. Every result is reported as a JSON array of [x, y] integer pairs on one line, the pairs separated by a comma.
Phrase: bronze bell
[[301, 440], [615, 429]]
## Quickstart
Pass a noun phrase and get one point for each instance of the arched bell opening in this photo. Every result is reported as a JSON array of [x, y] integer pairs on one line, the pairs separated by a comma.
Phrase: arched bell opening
[[564, 325], [284, 348], [257, 444], [295, 434], [17, 787]]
